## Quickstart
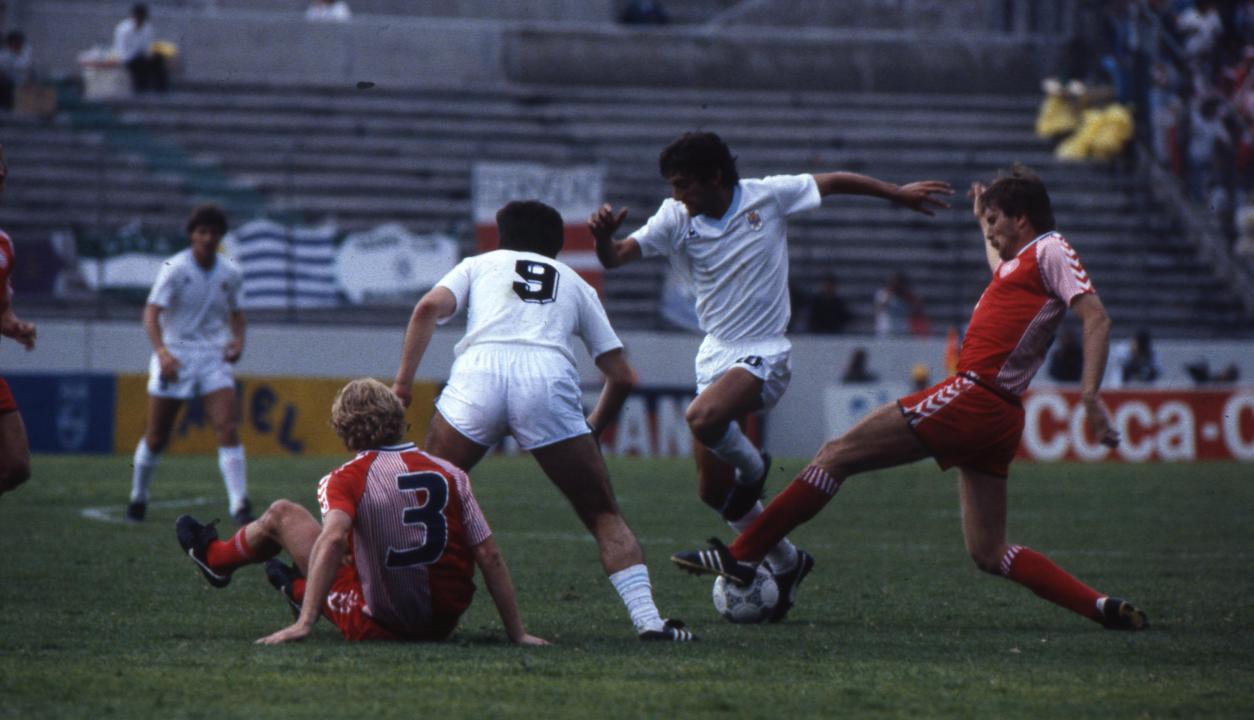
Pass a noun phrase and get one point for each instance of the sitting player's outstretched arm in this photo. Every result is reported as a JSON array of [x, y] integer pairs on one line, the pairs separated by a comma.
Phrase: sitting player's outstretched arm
[[921, 196], [620, 378], [1088, 307], [603, 223], [324, 559], [501, 588], [437, 304]]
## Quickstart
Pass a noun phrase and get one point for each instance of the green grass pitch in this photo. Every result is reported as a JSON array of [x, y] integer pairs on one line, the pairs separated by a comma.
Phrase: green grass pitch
[[102, 619]]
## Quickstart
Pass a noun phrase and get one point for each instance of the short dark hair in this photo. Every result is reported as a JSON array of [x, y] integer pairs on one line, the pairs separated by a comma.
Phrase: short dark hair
[[207, 214], [140, 11], [1019, 192], [701, 155], [530, 226]]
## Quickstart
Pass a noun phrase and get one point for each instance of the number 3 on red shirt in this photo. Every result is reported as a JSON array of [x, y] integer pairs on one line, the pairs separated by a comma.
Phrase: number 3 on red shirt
[[429, 514]]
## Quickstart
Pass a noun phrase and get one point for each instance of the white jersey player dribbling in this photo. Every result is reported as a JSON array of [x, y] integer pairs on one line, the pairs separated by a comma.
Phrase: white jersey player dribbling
[[515, 373], [729, 238]]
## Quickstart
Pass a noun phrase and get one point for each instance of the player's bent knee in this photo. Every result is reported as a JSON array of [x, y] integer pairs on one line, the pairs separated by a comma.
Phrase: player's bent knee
[[987, 562]]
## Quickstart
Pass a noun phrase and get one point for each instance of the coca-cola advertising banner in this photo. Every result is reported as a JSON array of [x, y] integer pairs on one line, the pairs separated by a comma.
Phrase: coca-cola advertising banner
[[1156, 425]]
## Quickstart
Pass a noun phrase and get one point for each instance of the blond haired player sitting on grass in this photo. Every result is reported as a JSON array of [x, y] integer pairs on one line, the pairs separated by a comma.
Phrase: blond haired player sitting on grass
[[395, 554]]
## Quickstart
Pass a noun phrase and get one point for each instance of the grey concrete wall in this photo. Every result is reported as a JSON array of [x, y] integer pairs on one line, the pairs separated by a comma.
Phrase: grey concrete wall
[[795, 428], [245, 46]]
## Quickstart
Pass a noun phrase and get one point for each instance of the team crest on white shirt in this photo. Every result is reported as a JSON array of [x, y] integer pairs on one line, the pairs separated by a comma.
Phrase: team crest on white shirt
[[1008, 267], [755, 220]]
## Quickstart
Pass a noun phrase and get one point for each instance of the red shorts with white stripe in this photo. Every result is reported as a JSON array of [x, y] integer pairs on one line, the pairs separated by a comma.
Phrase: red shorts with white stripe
[[964, 424], [7, 403], [345, 606]]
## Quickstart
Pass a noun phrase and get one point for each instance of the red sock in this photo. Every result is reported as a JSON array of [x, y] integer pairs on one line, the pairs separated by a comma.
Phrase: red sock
[[298, 590], [1040, 575], [226, 556], [804, 497]]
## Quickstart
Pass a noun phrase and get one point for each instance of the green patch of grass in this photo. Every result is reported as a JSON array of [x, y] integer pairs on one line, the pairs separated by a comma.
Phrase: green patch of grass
[[103, 619]]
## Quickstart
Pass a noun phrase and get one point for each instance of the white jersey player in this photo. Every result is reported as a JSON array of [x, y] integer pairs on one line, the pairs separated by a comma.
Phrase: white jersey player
[[515, 374], [194, 322], [728, 237]]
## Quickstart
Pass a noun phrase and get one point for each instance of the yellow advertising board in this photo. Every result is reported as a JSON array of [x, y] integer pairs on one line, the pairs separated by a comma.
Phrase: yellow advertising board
[[278, 416]]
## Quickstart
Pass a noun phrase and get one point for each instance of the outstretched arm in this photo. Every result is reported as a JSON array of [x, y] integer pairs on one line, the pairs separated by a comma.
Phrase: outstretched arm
[[438, 303], [1088, 307], [620, 378], [977, 208], [501, 588], [12, 326], [922, 196], [325, 558], [603, 223]]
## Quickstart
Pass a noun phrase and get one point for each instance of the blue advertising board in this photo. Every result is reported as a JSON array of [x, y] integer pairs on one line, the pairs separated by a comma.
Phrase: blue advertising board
[[66, 413]]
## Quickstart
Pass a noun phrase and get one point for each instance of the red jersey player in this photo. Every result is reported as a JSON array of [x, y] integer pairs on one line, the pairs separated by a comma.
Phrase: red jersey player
[[395, 555], [972, 420], [14, 447]]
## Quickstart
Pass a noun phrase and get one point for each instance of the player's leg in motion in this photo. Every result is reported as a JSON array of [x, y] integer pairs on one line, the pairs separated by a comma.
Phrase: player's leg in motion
[[984, 530], [446, 443], [711, 417], [162, 412], [283, 526], [221, 409], [577, 468], [14, 451]]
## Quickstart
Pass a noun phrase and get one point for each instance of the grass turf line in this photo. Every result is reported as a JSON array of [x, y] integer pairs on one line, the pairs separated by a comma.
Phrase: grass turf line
[[108, 619]]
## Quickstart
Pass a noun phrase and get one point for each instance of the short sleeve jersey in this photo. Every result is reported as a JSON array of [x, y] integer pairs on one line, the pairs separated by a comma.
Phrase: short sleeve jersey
[[415, 526], [737, 265], [522, 298], [196, 302], [1015, 319]]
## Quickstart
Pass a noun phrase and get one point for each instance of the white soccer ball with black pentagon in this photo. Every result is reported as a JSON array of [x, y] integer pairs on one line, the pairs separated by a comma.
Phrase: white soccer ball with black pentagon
[[750, 603]]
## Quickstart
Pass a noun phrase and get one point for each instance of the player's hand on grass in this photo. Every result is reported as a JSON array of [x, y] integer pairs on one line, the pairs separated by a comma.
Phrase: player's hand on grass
[[1097, 419], [291, 633], [233, 350], [404, 392], [603, 223], [923, 197], [530, 640]]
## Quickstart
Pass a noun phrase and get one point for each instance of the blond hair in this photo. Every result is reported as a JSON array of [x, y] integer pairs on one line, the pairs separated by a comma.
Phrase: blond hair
[[367, 415]]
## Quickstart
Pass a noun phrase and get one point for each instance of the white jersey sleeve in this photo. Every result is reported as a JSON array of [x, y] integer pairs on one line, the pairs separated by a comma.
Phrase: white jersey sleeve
[[1061, 272], [594, 325], [162, 293], [456, 281], [662, 232], [794, 193]]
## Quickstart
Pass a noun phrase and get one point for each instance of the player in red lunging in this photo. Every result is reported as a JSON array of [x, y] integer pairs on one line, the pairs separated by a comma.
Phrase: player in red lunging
[[395, 555], [972, 420]]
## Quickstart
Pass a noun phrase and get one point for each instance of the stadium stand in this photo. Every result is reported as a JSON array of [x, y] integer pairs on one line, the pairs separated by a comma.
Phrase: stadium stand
[[364, 158]]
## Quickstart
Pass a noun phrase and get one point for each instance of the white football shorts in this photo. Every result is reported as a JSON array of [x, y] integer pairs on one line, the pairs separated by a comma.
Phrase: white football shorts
[[200, 373], [531, 393], [767, 359]]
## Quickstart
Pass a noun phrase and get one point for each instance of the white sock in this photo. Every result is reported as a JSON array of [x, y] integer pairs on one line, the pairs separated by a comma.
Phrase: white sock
[[783, 557], [743, 523], [634, 588], [231, 463], [735, 449], [145, 463]]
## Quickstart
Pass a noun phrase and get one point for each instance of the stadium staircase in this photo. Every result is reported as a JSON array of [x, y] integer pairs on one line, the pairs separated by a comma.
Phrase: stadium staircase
[[367, 157]]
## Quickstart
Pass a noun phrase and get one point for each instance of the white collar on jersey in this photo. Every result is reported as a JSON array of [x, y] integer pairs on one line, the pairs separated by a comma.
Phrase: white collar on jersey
[[398, 448], [1037, 239]]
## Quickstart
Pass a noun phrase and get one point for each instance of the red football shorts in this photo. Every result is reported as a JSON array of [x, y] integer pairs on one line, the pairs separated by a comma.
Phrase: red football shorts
[[345, 606], [963, 424], [7, 403]]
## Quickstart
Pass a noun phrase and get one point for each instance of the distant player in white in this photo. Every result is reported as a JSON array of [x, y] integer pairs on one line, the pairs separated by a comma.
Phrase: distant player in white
[[515, 374], [728, 237], [194, 322]]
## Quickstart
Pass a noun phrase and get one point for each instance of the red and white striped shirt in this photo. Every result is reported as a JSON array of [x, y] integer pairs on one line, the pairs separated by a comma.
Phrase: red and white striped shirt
[[415, 525], [1013, 324]]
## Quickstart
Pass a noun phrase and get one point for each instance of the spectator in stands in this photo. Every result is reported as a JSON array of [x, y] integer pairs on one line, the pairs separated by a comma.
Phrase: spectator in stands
[[644, 12], [1201, 27], [826, 311], [1139, 365], [15, 67], [1209, 142], [898, 310], [857, 371], [329, 11], [1066, 362], [132, 45], [920, 377]]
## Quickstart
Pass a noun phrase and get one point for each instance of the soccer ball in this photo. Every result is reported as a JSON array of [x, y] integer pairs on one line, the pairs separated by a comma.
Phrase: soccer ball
[[750, 603]]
